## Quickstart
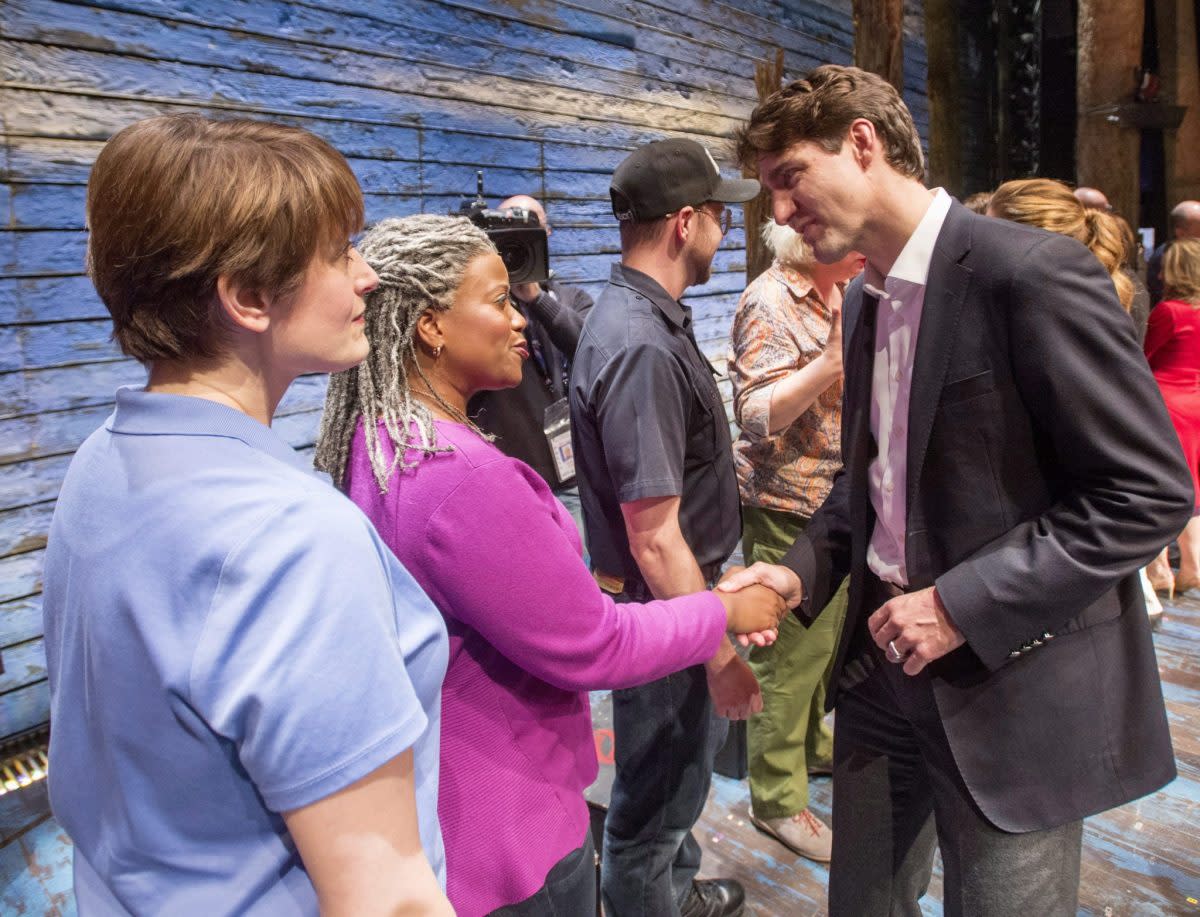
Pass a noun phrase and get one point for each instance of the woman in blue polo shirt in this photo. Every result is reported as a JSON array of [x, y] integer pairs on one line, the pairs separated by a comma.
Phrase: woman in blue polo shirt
[[244, 682]]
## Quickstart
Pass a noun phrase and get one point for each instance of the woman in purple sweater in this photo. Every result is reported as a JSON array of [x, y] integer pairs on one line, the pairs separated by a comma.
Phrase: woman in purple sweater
[[530, 631]]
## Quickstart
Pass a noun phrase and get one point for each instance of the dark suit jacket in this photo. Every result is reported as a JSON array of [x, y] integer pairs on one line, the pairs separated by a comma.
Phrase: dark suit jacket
[[1043, 471]]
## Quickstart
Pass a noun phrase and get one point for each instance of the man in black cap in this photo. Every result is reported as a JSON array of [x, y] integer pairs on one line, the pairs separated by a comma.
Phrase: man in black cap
[[661, 510]]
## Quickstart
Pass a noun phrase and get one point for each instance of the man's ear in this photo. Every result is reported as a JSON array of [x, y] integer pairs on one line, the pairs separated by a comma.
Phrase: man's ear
[[429, 330], [245, 307], [683, 224], [863, 141]]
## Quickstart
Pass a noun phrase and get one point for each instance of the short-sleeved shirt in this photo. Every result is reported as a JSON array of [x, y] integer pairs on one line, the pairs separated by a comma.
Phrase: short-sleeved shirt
[[228, 639], [647, 420]]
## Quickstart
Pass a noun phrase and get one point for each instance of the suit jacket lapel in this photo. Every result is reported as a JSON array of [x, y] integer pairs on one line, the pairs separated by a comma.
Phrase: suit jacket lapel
[[945, 289], [859, 358]]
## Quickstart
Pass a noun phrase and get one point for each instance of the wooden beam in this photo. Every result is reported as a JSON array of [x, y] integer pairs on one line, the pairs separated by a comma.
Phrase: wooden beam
[[879, 37], [1109, 52], [945, 165], [768, 77]]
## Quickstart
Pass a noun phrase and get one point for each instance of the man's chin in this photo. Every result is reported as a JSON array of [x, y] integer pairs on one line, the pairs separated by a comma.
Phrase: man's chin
[[828, 253]]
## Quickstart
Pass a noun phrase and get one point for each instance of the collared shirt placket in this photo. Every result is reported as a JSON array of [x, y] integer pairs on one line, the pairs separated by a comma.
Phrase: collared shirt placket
[[891, 385]]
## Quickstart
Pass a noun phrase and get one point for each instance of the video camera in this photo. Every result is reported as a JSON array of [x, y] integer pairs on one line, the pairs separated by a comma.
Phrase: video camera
[[517, 234]]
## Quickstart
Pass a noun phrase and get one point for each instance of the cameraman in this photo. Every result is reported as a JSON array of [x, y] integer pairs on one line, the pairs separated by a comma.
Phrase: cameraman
[[517, 416]]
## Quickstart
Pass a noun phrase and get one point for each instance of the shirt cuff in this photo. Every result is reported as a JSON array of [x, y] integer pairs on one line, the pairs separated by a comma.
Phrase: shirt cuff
[[756, 412]]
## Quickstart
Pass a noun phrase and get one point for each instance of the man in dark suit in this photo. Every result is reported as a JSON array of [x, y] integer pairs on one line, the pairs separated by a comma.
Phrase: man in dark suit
[[1009, 465], [1184, 224]]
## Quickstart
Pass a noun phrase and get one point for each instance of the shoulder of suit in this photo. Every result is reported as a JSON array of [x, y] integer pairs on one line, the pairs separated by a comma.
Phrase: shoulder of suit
[[992, 236]]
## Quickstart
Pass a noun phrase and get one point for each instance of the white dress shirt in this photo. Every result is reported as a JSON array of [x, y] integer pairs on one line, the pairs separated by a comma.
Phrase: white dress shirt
[[898, 321]]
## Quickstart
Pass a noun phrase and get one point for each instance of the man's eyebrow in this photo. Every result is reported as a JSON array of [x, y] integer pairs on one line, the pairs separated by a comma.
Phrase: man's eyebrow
[[774, 173]]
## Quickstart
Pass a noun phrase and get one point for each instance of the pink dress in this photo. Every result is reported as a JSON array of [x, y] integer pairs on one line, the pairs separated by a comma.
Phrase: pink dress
[[1173, 348]]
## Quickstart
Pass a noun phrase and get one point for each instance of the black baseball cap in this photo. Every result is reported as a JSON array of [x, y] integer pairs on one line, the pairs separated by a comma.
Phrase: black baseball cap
[[664, 176]]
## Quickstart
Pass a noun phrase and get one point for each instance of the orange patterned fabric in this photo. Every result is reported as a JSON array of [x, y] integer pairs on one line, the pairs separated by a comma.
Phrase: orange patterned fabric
[[781, 325]]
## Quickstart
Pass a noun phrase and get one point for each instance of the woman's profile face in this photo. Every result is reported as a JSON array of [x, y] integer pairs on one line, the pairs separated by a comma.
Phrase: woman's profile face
[[483, 347], [321, 327]]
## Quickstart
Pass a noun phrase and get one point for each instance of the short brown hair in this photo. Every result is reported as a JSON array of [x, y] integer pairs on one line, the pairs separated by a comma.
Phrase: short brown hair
[[1181, 270], [821, 107], [177, 201], [637, 233]]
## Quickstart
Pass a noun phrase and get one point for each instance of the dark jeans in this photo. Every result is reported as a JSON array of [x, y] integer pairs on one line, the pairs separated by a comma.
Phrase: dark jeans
[[570, 889], [665, 736], [897, 794]]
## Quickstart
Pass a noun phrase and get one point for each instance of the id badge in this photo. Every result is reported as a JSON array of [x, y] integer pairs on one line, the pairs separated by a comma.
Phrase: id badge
[[557, 427]]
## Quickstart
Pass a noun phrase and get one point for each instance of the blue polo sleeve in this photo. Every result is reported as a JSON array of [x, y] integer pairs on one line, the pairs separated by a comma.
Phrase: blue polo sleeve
[[643, 402], [299, 664]]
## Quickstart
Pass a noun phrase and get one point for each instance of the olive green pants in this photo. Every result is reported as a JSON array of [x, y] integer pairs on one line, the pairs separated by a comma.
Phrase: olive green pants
[[790, 735]]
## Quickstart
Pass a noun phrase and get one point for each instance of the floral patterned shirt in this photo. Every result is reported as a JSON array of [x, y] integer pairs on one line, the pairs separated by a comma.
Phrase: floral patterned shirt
[[780, 326]]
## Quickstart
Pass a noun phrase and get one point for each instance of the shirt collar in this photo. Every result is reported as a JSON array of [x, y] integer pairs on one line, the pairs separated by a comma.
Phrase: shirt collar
[[912, 265], [142, 413], [797, 283], [675, 312]]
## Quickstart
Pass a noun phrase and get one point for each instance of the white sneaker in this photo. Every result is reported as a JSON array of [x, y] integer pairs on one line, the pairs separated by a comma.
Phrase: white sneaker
[[802, 833]]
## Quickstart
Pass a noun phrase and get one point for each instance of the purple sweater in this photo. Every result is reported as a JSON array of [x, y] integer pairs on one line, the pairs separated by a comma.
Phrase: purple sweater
[[530, 635]]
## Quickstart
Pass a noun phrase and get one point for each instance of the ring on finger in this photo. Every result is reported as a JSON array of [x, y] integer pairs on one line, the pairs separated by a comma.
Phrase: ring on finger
[[893, 654]]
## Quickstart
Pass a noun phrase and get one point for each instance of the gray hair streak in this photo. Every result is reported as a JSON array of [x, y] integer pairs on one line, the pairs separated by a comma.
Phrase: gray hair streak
[[420, 261]]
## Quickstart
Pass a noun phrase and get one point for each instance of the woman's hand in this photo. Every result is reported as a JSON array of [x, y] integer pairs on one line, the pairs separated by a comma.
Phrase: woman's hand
[[833, 344], [752, 610], [794, 394]]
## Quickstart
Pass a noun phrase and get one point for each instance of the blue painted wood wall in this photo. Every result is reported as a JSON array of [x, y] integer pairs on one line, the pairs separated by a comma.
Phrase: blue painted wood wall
[[546, 96]]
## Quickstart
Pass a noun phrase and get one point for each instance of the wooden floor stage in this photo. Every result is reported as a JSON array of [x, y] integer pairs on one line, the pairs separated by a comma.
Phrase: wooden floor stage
[[1140, 860]]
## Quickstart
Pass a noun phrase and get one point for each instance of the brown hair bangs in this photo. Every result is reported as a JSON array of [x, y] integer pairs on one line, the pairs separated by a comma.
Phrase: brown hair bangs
[[177, 201], [820, 109]]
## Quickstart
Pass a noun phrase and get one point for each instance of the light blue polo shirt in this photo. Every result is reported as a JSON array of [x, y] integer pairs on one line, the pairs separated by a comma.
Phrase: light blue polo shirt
[[227, 639]]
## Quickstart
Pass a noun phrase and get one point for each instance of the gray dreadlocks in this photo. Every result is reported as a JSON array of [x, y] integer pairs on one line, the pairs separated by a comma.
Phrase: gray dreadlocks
[[420, 261]]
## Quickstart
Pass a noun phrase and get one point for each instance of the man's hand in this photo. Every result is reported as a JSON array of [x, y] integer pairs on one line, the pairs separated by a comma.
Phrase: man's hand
[[526, 292], [754, 611], [778, 578], [733, 687], [774, 576], [919, 627]]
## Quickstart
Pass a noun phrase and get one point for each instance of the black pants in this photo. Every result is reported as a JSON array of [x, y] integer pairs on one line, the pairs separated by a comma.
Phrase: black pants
[[898, 795], [570, 889]]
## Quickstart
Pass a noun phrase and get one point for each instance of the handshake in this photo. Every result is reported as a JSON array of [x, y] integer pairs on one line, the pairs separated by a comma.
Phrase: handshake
[[755, 600]]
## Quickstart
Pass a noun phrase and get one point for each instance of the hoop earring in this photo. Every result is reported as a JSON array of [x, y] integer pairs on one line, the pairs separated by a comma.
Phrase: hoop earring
[[437, 351]]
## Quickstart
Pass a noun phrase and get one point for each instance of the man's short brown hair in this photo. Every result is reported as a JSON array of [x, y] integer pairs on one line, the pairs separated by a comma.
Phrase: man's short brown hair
[[636, 234], [177, 201], [820, 109]]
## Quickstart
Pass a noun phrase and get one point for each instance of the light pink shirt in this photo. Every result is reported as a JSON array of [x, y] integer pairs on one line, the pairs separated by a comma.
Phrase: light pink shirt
[[897, 323]]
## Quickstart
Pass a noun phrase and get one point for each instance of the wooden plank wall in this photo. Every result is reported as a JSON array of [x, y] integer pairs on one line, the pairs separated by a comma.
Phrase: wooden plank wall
[[546, 96]]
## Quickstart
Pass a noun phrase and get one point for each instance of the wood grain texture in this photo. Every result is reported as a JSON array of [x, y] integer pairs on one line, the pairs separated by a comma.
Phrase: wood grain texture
[[546, 97]]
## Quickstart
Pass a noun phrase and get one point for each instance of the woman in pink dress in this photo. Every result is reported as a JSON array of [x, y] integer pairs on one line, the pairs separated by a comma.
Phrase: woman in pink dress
[[1173, 349]]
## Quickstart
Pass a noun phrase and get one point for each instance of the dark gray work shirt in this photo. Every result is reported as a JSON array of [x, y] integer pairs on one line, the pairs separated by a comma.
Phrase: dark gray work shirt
[[647, 421]]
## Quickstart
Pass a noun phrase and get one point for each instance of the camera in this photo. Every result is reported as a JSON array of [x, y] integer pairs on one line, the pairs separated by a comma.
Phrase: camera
[[516, 233]]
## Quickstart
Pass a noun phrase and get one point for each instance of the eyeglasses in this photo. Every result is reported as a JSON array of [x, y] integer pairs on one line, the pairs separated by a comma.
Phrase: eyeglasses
[[724, 221]]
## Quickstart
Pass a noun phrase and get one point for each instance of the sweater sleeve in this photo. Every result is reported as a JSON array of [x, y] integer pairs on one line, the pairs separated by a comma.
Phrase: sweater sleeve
[[502, 564]]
